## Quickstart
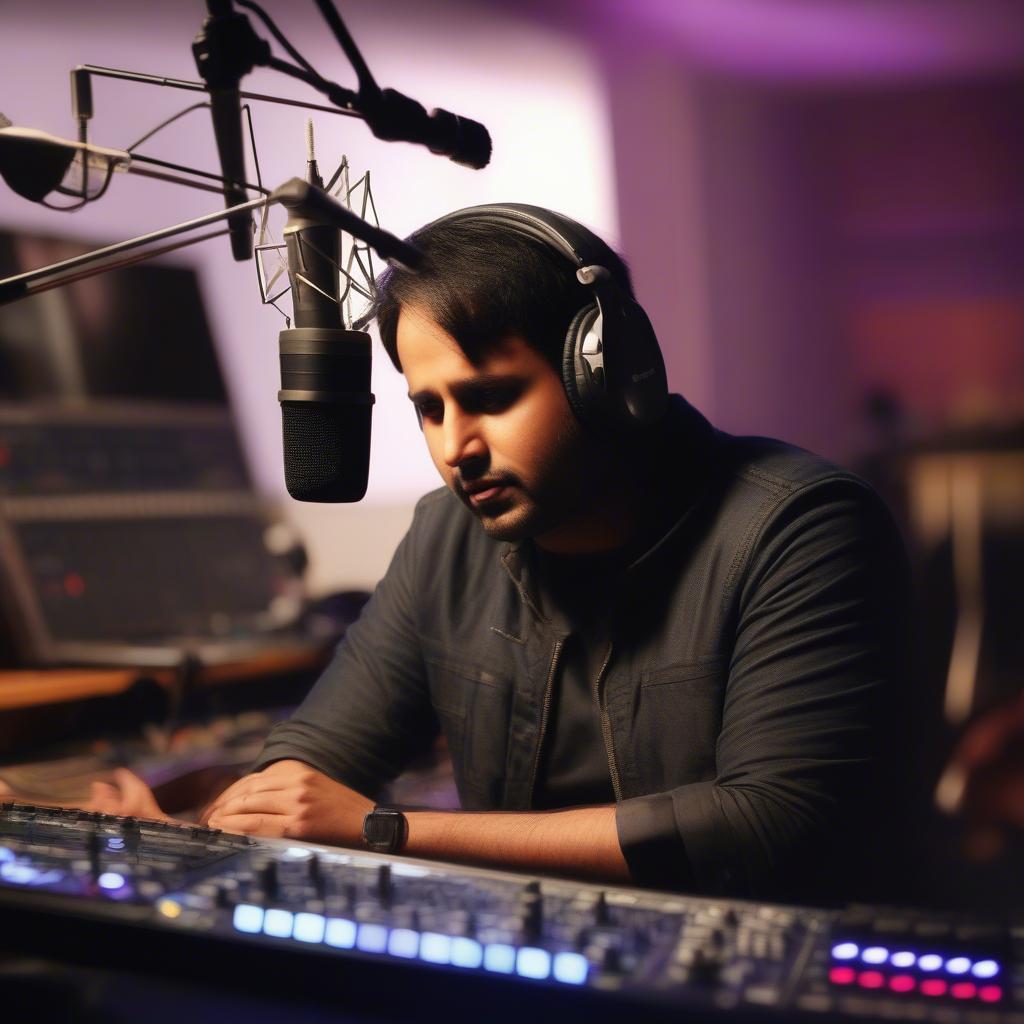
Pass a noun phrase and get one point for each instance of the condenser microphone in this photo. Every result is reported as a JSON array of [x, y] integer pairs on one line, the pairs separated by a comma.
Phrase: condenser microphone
[[325, 397]]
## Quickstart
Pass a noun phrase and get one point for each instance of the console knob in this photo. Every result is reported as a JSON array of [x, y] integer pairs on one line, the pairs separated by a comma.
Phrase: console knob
[[611, 960], [316, 875], [92, 849], [384, 884], [705, 968], [268, 878]]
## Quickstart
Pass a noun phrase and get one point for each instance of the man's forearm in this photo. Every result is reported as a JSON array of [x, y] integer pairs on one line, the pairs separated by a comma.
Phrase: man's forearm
[[290, 799], [582, 842]]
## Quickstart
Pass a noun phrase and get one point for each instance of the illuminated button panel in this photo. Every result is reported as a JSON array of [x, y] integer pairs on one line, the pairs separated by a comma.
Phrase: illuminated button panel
[[532, 962], [902, 969]]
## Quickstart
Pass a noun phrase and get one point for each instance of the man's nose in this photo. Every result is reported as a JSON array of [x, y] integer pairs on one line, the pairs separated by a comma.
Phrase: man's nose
[[462, 439]]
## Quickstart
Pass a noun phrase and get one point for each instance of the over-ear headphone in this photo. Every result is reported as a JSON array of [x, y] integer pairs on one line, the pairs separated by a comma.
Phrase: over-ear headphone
[[612, 367]]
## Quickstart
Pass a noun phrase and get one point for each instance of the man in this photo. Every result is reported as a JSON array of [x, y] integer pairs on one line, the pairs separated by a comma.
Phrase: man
[[657, 653]]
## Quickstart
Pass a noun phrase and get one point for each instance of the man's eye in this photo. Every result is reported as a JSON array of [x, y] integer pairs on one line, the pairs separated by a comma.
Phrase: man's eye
[[495, 400], [430, 411]]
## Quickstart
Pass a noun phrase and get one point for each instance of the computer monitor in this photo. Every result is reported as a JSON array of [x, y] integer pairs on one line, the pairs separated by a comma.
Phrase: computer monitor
[[139, 333]]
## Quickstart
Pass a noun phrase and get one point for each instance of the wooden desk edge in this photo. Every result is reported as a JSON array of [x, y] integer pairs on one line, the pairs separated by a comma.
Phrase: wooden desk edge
[[21, 688]]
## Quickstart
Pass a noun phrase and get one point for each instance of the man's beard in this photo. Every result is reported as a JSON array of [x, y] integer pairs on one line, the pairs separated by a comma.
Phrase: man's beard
[[560, 488]]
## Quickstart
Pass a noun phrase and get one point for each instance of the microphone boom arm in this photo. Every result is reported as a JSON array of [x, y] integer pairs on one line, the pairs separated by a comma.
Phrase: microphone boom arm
[[293, 193]]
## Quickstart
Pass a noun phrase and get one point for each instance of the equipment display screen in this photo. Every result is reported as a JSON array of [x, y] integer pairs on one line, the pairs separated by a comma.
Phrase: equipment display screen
[[139, 333]]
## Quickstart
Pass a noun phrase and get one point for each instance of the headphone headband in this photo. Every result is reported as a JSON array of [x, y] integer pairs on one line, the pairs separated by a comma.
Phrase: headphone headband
[[532, 222], [612, 368]]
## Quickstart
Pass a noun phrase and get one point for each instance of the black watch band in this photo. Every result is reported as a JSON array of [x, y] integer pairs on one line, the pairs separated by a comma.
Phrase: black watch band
[[385, 830]]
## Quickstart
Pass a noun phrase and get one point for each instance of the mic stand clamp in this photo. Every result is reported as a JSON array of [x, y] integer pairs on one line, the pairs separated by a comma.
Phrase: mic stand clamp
[[227, 47]]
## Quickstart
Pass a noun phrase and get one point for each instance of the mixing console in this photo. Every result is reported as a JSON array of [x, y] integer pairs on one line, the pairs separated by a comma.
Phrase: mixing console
[[407, 927]]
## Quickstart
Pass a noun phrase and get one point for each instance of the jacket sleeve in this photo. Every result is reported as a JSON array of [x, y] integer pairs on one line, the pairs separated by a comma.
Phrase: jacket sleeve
[[809, 708], [369, 713]]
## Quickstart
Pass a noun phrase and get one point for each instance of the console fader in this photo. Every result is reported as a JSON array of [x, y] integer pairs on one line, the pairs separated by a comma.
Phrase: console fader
[[391, 931]]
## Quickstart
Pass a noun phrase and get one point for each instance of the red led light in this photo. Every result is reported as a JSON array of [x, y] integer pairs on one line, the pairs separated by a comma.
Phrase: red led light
[[842, 975], [933, 987], [871, 979], [74, 585], [990, 993], [964, 990], [902, 983]]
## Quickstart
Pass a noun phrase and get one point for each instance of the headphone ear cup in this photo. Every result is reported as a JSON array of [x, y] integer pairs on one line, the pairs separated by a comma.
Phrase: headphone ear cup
[[582, 393], [644, 384]]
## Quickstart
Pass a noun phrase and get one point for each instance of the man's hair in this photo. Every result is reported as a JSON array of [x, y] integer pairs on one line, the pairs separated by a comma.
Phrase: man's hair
[[482, 282]]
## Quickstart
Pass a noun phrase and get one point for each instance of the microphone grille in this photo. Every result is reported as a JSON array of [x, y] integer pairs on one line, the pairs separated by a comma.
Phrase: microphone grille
[[326, 450]]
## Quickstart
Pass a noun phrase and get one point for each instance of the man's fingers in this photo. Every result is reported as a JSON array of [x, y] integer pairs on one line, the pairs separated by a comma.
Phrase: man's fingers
[[260, 802], [104, 797], [273, 825], [232, 791], [136, 797], [259, 782]]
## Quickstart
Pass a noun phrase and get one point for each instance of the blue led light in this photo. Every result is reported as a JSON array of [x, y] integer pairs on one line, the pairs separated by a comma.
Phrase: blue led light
[[875, 955], [404, 942], [467, 952], [929, 962], [248, 919], [27, 874], [111, 880], [19, 874], [570, 968], [533, 963], [435, 948], [309, 927], [278, 923], [499, 958], [115, 843], [6, 854], [985, 969], [372, 938], [845, 951], [958, 965], [340, 933], [904, 958]]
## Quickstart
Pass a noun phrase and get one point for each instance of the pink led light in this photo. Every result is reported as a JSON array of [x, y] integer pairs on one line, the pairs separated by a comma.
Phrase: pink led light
[[902, 983], [933, 987], [870, 979], [842, 975], [964, 990], [990, 993]]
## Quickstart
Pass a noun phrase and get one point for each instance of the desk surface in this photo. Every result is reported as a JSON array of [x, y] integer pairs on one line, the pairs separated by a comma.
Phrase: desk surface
[[20, 688]]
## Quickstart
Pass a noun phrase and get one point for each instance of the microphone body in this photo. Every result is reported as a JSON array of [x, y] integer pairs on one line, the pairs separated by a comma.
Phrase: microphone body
[[395, 117], [326, 402], [226, 108], [225, 50]]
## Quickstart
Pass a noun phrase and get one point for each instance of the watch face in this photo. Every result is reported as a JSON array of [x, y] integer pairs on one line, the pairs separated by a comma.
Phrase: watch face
[[382, 829]]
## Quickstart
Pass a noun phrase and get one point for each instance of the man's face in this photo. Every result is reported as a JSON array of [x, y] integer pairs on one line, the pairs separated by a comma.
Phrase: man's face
[[500, 431]]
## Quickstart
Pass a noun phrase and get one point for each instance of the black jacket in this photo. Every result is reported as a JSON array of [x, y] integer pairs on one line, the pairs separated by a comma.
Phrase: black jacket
[[748, 696]]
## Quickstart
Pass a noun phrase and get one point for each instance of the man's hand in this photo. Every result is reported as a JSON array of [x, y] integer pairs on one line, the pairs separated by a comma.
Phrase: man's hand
[[131, 797], [290, 800]]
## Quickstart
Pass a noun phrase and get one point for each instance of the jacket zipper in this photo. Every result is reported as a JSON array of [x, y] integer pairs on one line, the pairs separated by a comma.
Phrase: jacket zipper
[[606, 727], [549, 690]]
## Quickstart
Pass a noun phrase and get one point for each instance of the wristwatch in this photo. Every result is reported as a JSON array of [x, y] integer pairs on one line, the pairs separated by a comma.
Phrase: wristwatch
[[385, 830]]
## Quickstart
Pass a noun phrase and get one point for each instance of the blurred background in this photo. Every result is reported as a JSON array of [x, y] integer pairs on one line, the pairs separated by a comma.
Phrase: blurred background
[[822, 203]]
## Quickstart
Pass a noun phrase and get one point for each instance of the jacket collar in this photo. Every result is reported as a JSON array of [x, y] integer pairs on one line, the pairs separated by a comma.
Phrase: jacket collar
[[689, 444]]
